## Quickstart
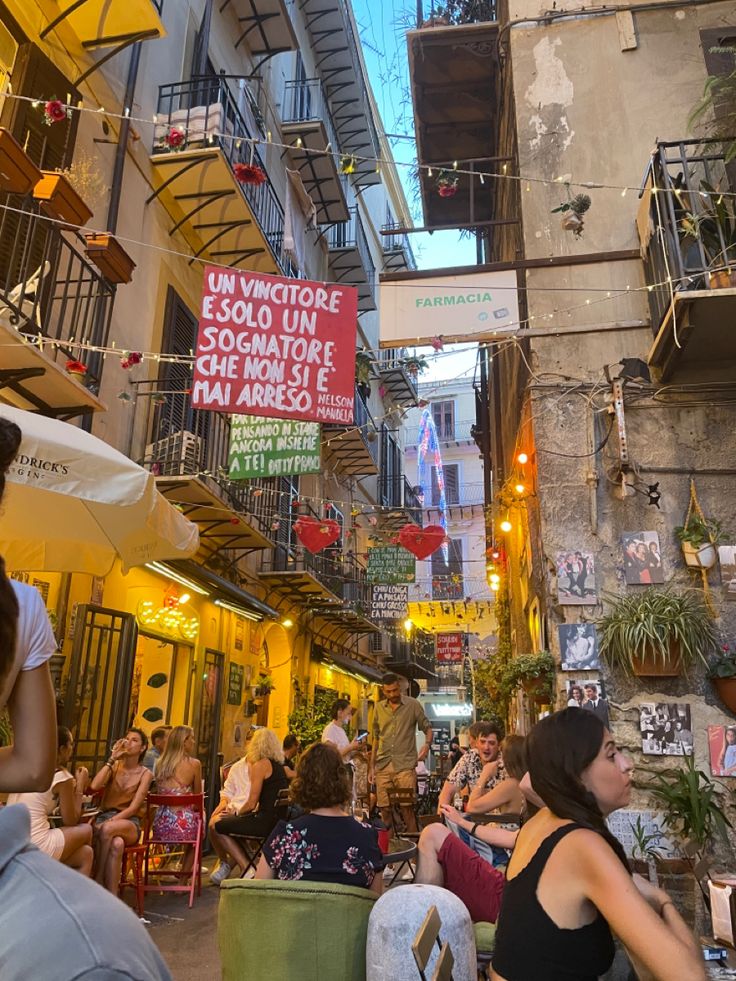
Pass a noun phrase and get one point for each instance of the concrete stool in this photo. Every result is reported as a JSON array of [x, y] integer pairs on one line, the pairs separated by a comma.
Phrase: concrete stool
[[394, 922]]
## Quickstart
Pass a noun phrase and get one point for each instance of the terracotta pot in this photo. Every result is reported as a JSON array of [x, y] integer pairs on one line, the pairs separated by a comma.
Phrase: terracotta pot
[[726, 690], [59, 200], [18, 173], [110, 257], [649, 665], [699, 556], [436, 22]]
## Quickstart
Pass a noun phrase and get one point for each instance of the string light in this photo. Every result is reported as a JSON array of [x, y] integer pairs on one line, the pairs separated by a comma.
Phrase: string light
[[522, 458]]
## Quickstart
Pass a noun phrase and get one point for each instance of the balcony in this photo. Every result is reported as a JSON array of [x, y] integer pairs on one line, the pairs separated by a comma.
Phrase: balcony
[[352, 449], [308, 128], [350, 259], [223, 220], [187, 450], [399, 385], [688, 234], [338, 58], [454, 75], [399, 500], [461, 502], [449, 433], [398, 255], [267, 27], [411, 658], [88, 25], [53, 303]]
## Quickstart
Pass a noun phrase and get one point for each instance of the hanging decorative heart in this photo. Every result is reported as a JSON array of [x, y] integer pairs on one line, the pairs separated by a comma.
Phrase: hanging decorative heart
[[315, 534], [421, 542]]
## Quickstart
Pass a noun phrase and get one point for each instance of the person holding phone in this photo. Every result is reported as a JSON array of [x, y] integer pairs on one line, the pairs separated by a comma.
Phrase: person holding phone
[[335, 733]]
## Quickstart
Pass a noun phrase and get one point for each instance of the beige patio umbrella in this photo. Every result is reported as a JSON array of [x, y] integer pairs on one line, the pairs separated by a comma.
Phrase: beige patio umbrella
[[74, 504]]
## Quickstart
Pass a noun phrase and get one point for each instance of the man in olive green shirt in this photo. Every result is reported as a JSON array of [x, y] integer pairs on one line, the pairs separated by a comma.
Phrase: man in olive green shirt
[[394, 754]]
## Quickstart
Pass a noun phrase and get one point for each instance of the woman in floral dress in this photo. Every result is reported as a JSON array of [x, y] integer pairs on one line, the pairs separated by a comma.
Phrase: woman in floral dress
[[177, 772], [326, 844]]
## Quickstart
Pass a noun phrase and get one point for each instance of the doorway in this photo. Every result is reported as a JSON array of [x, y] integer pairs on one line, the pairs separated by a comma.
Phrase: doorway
[[162, 683], [210, 717]]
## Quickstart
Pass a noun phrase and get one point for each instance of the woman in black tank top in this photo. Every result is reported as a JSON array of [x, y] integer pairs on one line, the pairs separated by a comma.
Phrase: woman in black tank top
[[568, 883]]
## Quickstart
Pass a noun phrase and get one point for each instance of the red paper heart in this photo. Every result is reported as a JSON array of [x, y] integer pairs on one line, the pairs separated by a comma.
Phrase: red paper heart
[[315, 534], [421, 541]]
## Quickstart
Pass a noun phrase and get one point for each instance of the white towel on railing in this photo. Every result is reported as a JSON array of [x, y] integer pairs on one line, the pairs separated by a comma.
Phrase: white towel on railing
[[300, 214]]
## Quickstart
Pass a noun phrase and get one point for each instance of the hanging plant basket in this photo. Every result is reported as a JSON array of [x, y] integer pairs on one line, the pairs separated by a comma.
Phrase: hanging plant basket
[[699, 557], [650, 664], [446, 184], [18, 173], [249, 174], [726, 691]]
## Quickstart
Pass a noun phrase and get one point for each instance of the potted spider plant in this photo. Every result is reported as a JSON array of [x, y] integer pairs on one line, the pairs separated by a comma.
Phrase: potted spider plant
[[691, 804], [264, 685], [657, 632], [722, 673], [698, 539], [535, 673]]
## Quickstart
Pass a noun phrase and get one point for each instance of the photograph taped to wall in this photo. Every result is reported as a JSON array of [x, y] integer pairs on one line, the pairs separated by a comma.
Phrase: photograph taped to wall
[[578, 647], [727, 559], [590, 694], [722, 750], [576, 578], [666, 729], [642, 558]]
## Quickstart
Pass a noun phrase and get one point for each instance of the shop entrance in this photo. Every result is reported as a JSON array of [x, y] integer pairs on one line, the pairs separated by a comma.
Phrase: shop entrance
[[162, 683], [210, 717], [99, 681]]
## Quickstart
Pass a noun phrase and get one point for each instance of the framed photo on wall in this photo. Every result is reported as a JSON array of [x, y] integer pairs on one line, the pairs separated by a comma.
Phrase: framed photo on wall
[[578, 647], [642, 558], [666, 729], [588, 694], [576, 578]]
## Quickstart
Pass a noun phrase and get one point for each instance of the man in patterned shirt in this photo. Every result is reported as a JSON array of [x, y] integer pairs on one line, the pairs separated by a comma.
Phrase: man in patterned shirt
[[467, 772]]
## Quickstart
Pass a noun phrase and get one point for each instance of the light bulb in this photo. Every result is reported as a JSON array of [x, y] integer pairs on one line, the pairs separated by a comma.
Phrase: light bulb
[[522, 458], [506, 525], [495, 586], [495, 577], [519, 488]]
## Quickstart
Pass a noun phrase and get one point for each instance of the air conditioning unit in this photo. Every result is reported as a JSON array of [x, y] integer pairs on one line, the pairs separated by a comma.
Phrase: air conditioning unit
[[178, 454]]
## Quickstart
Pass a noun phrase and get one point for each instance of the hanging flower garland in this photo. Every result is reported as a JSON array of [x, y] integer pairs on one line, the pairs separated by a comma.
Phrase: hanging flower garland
[[175, 139], [130, 358], [54, 111], [249, 174], [446, 184], [348, 164], [75, 367]]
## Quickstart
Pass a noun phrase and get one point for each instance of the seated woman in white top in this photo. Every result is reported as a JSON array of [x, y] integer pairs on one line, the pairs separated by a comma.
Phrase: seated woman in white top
[[72, 842], [335, 733]]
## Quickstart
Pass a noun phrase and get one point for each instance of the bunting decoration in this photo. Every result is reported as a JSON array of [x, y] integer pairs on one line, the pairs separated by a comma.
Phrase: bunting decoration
[[428, 456]]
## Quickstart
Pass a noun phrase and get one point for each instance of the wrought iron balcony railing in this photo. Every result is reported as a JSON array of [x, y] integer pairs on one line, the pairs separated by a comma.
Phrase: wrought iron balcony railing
[[398, 243], [207, 113], [305, 101], [687, 220], [350, 235], [49, 288]]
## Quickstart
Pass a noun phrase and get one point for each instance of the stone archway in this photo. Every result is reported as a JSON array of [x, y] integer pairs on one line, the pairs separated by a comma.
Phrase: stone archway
[[277, 656]]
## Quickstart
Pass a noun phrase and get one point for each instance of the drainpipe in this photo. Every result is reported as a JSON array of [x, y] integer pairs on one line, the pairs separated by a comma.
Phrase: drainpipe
[[119, 166]]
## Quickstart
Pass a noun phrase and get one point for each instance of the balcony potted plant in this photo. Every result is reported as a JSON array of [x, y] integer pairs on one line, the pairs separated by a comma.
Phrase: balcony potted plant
[[713, 222], [110, 257], [59, 200], [438, 17], [657, 632], [264, 685], [18, 173], [723, 675], [415, 364], [535, 673], [698, 539], [363, 368]]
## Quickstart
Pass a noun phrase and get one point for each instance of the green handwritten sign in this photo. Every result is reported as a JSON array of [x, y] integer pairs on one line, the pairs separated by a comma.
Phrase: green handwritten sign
[[272, 447], [390, 564]]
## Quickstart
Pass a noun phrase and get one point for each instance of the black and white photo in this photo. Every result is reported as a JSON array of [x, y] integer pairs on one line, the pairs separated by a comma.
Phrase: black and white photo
[[588, 694], [576, 578], [578, 647], [666, 729]]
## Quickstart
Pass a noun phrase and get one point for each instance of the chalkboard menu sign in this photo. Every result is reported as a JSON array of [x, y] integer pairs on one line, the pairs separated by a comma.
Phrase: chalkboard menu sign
[[389, 602], [235, 684], [390, 564]]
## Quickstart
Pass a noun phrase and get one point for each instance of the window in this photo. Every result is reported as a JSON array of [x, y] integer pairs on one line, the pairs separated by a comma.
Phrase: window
[[451, 473], [447, 575], [443, 414]]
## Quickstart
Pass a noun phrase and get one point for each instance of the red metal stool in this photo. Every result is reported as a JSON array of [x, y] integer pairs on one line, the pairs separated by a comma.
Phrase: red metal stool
[[134, 858]]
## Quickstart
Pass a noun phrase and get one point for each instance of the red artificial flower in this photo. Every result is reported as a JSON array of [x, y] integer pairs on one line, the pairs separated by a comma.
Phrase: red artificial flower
[[75, 367], [249, 174], [54, 111], [174, 138]]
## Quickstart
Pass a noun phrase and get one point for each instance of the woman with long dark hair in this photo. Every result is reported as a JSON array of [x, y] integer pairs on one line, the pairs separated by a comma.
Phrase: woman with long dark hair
[[568, 883]]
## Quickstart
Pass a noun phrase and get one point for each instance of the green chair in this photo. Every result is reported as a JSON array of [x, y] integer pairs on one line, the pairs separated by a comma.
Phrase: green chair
[[485, 941], [272, 929]]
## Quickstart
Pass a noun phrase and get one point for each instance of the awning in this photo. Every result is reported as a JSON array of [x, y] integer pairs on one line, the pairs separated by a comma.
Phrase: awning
[[300, 587], [265, 26], [345, 663], [75, 504], [30, 379], [226, 589], [348, 620]]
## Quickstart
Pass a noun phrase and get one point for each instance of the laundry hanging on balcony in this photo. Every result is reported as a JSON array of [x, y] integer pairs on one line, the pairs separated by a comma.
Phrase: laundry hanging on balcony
[[300, 215]]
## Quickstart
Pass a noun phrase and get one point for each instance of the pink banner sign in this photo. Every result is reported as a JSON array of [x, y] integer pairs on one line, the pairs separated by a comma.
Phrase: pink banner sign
[[449, 648], [268, 346]]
